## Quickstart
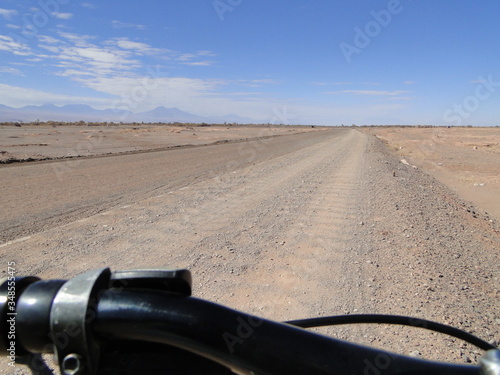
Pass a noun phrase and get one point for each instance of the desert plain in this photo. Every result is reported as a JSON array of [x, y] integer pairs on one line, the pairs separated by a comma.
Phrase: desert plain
[[281, 222]]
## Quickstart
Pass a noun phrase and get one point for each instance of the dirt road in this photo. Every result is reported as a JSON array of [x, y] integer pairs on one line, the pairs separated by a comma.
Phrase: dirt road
[[313, 224], [38, 195]]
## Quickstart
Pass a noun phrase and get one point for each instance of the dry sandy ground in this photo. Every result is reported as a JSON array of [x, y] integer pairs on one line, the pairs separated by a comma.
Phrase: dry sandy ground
[[320, 223], [45, 142], [465, 159]]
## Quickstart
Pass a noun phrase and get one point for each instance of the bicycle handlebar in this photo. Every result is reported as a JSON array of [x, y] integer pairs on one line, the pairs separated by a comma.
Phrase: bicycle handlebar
[[87, 320]]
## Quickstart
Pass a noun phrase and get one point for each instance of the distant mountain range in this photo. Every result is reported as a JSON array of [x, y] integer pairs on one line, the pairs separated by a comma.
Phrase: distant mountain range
[[82, 112]]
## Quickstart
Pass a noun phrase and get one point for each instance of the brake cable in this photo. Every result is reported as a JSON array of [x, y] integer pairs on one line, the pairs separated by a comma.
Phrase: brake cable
[[392, 320]]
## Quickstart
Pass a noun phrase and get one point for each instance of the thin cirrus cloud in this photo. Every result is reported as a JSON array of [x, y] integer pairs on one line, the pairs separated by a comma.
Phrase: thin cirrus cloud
[[117, 66], [74, 50], [198, 63], [8, 44], [256, 82], [17, 96], [109, 57], [369, 92], [8, 13], [62, 16], [344, 83], [123, 25], [10, 70], [136, 47], [95, 60]]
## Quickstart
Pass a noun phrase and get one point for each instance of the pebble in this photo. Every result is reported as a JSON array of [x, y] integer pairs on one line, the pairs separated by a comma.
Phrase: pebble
[[416, 354]]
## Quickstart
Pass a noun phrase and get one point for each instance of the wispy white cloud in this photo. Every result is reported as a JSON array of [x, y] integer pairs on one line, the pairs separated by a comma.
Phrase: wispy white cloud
[[409, 82], [316, 83], [265, 81], [369, 92], [194, 59], [10, 45], [48, 39], [8, 13], [62, 16], [247, 93], [205, 53], [10, 70], [75, 73], [186, 57], [89, 5], [128, 44], [78, 39], [97, 58], [137, 48], [49, 48], [256, 82], [82, 51], [99, 61], [11, 26], [123, 25], [15, 96], [344, 83], [198, 63]]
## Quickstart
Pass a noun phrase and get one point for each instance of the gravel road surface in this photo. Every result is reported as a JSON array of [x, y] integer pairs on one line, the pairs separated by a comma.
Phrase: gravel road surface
[[289, 227]]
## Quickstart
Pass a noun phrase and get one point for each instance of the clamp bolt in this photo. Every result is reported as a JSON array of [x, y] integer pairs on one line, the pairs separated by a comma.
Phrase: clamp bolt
[[72, 365]]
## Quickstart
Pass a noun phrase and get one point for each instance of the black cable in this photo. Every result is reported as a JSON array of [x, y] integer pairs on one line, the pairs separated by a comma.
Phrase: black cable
[[392, 319]]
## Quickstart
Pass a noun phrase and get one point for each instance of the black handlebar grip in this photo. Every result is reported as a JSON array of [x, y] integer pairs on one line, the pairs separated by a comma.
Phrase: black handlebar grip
[[33, 316], [10, 290]]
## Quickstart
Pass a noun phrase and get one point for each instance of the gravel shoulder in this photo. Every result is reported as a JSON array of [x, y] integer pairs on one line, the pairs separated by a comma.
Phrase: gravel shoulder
[[467, 160], [328, 223]]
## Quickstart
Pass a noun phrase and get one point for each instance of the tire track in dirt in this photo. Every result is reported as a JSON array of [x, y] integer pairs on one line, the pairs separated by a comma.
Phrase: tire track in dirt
[[317, 245]]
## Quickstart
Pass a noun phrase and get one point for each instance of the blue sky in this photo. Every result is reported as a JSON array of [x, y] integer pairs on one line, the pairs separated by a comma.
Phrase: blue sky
[[310, 62]]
